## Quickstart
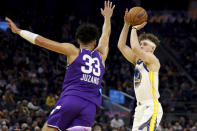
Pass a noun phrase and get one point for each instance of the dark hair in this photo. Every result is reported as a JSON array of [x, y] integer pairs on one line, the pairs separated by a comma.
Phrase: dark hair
[[87, 33], [150, 37], [97, 124]]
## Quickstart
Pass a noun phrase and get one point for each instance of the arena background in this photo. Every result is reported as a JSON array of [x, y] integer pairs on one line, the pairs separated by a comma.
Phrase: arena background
[[31, 77]]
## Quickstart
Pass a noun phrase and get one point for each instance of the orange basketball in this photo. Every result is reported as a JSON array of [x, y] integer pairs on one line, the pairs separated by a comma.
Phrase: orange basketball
[[138, 15]]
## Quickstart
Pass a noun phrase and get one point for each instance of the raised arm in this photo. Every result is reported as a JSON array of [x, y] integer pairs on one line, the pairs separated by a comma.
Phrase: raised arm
[[62, 48], [124, 49], [103, 45], [145, 56]]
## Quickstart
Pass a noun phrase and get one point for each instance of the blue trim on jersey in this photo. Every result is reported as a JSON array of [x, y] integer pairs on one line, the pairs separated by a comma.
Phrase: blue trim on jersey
[[145, 67], [146, 124], [139, 62], [100, 90]]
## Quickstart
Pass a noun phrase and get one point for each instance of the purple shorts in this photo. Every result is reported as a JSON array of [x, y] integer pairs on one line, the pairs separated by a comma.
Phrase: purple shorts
[[72, 111]]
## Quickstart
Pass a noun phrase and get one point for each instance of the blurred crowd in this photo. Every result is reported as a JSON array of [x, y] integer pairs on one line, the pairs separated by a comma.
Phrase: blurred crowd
[[31, 78]]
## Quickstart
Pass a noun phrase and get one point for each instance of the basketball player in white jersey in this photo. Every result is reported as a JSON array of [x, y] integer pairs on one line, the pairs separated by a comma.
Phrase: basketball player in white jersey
[[148, 112]]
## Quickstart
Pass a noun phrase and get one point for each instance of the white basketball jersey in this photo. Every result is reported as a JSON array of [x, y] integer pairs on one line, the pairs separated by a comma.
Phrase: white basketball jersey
[[145, 83]]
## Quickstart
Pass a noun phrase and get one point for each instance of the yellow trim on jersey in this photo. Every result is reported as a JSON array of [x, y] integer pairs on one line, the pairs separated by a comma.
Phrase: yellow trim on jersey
[[156, 105], [137, 80]]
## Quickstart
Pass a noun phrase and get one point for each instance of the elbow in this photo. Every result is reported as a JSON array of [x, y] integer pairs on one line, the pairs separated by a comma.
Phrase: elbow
[[119, 46], [39, 41]]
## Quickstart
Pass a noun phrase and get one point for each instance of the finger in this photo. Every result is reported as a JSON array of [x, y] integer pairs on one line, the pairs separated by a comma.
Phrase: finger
[[105, 3], [7, 19], [102, 11], [113, 7], [110, 4], [143, 24], [126, 10]]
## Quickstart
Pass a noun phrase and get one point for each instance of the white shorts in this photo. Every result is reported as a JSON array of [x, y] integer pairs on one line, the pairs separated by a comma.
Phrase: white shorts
[[147, 116]]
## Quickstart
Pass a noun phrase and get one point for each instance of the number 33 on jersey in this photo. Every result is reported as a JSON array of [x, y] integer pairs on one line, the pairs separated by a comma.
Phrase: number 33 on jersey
[[91, 69]]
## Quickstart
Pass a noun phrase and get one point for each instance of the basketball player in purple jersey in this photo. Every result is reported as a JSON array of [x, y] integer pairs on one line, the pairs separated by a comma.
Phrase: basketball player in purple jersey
[[76, 108]]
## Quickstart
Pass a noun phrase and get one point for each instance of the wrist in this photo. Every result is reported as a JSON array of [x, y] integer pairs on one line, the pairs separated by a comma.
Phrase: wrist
[[134, 27], [31, 37], [107, 17], [127, 25], [18, 31]]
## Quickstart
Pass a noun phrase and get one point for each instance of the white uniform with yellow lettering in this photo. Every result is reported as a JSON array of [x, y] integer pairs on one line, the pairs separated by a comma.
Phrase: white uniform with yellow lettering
[[148, 112]]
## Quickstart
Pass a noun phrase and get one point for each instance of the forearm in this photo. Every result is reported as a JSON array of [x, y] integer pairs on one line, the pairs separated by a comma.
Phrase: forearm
[[44, 42], [29, 36], [107, 26], [134, 39], [123, 36], [104, 40]]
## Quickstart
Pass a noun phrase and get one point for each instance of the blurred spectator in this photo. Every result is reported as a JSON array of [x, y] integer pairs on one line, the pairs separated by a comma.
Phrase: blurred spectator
[[50, 100], [116, 122], [25, 109], [9, 99], [37, 128], [15, 128], [177, 127], [3, 82], [4, 128], [97, 127], [33, 104], [12, 87], [24, 126]]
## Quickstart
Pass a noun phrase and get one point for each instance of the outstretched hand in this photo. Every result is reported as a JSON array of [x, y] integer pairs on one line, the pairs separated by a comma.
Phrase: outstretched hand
[[12, 26], [108, 9]]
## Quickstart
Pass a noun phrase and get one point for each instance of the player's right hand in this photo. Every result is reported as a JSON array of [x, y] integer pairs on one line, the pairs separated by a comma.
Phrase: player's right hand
[[138, 27], [127, 17], [12, 26]]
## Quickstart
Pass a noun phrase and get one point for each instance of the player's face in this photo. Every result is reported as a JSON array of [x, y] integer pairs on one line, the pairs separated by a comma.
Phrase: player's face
[[146, 47]]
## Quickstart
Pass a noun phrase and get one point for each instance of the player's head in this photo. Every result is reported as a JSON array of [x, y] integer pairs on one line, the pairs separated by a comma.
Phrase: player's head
[[148, 42], [87, 34]]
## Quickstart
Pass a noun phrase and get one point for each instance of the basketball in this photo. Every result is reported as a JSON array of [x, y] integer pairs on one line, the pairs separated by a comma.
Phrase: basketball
[[138, 15]]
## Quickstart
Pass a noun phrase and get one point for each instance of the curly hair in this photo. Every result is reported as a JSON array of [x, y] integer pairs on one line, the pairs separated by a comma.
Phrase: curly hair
[[87, 33]]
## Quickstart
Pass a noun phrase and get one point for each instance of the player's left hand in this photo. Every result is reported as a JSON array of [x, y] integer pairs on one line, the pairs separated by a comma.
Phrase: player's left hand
[[138, 27], [108, 9]]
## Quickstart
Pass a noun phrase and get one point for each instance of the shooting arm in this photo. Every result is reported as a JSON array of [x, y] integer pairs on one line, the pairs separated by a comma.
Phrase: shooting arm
[[124, 49]]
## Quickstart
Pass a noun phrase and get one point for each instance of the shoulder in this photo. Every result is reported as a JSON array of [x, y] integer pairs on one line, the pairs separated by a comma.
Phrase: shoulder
[[70, 45], [154, 66]]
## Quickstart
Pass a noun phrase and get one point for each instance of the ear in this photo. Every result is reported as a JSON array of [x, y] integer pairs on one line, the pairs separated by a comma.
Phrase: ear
[[78, 41], [94, 42], [153, 48]]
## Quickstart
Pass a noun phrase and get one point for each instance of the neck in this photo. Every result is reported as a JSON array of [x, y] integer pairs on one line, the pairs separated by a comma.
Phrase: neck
[[88, 46]]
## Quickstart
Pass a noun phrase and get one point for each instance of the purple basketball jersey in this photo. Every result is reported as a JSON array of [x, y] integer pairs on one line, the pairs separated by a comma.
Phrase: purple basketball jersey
[[83, 77]]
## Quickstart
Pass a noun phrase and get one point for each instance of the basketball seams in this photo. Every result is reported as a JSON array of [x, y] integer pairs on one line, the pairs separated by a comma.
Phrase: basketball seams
[[134, 12]]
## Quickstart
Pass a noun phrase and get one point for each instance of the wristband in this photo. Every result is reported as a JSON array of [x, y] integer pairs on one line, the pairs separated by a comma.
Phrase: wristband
[[128, 25], [31, 37], [134, 27]]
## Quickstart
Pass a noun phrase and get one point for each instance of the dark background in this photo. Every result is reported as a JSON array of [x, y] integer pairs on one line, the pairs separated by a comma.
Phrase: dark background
[[87, 7]]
